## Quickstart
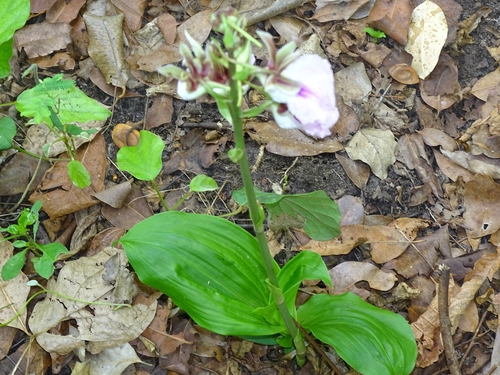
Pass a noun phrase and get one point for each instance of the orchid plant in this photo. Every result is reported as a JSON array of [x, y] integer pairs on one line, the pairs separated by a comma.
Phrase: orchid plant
[[224, 277]]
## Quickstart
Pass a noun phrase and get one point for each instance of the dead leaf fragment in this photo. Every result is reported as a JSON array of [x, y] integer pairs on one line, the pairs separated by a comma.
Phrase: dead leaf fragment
[[41, 39], [345, 275], [426, 37], [374, 147], [133, 11], [338, 11], [357, 171], [106, 47]]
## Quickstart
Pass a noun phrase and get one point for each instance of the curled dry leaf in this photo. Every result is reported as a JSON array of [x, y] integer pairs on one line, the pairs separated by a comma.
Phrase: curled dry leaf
[[475, 163], [404, 73], [358, 172], [375, 147], [345, 275], [125, 135], [426, 37]]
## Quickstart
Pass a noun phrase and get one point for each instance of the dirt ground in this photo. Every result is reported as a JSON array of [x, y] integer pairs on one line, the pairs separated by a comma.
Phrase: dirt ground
[[305, 174]]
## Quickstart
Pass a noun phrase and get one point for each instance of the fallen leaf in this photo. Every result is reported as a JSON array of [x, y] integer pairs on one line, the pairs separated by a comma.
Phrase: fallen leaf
[[160, 112], [345, 275], [164, 54], [391, 17], [62, 60], [338, 11], [374, 147], [351, 210], [357, 171], [135, 208], [475, 163], [56, 191], [469, 25], [95, 279], [14, 292], [289, 142], [18, 172], [112, 361], [125, 135], [63, 11], [426, 37], [451, 169], [115, 195], [133, 11], [287, 27], [7, 335], [198, 26], [42, 39], [444, 78], [168, 26], [434, 137], [480, 199], [106, 47], [485, 84], [352, 83]]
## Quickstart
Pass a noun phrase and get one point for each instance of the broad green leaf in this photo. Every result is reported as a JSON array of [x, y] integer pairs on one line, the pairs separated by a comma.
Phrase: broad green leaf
[[371, 340], [210, 267], [69, 102], [315, 212], [264, 198], [305, 266], [13, 16], [45, 264], [7, 132], [5, 56], [144, 160], [78, 174], [14, 265], [202, 183]]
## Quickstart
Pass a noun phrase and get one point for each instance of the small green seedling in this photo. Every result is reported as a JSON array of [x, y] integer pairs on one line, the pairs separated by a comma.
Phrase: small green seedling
[[19, 235], [376, 34], [60, 105]]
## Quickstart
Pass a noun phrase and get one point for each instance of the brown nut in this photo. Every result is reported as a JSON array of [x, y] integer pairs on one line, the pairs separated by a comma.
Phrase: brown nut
[[404, 73]]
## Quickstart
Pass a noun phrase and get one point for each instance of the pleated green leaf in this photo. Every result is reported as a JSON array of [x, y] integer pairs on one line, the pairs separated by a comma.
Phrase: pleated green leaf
[[305, 266], [210, 267], [371, 340]]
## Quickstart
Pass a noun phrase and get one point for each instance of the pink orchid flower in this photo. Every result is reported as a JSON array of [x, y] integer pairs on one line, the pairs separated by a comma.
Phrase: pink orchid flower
[[303, 89]]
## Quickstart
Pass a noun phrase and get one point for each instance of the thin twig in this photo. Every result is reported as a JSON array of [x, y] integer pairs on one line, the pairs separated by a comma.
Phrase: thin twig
[[444, 320], [471, 343]]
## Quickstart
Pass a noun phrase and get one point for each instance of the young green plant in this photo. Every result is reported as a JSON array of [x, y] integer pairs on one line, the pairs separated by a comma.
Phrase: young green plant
[[60, 105], [224, 277], [19, 234]]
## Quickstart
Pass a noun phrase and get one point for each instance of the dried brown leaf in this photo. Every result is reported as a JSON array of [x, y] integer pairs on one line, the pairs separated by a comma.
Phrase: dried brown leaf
[[289, 142], [198, 26], [160, 112], [339, 11], [352, 210], [41, 39], [63, 11], [434, 137], [133, 11], [106, 47], [345, 275], [59, 195], [392, 17], [168, 26], [357, 171]]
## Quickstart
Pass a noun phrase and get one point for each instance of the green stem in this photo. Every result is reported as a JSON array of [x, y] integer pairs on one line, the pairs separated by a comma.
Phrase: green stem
[[159, 195], [255, 210]]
